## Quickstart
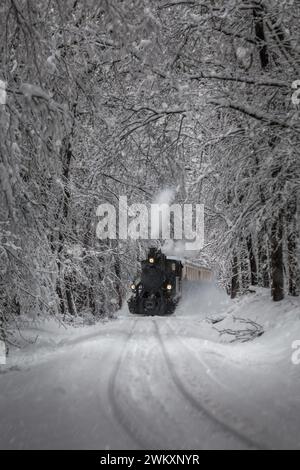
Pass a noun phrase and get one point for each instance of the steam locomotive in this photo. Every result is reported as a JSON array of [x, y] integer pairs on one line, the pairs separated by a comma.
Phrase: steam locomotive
[[158, 290]]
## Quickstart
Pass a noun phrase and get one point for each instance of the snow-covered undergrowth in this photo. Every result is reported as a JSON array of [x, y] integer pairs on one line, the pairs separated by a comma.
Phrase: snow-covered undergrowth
[[37, 341]]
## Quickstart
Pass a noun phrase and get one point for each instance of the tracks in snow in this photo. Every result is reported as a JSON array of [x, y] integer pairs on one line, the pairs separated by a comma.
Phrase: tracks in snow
[[128, 412], [119, 413], [196, 403]]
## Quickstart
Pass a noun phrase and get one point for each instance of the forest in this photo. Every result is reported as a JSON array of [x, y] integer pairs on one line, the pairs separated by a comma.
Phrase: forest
[[128, 97]]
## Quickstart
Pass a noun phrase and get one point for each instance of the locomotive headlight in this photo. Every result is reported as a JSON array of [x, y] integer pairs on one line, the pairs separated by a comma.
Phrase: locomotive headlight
[[169, 286], [151, 260], [132, 286]]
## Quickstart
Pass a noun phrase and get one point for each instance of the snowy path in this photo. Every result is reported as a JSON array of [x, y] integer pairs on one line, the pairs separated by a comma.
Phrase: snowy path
[[140, 382]]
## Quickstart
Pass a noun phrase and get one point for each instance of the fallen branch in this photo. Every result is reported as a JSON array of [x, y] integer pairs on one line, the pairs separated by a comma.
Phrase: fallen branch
[[254, 330]]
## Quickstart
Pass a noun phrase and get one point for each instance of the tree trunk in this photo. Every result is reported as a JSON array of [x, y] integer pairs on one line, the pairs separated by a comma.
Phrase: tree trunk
[[293, 268], [264, 263], [69, 296], [277, 259], [118, 280], [234, 278], [260, 37], [91, 300], [66, 162], [244, 268], [60, 292], [252, 260]]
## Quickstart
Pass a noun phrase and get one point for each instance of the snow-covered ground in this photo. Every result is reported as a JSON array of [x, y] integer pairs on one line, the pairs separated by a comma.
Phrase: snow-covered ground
[[176, 382]]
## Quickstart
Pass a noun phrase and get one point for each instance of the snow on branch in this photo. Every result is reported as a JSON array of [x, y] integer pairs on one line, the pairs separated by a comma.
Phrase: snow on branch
[[253, 112], [155, 116], [242, 79], [34, 92]]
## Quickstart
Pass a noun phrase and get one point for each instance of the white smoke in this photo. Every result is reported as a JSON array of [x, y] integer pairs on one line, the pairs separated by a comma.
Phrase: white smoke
[[166, 196], [175, 248], [170, 247], [178, 248]]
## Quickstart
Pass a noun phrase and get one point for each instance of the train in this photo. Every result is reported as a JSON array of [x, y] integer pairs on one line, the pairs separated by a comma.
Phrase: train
[[158, 289]]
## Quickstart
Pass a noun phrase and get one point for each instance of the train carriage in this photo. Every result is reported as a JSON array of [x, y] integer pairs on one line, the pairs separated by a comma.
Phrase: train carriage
[[159, 288], [192, 272]]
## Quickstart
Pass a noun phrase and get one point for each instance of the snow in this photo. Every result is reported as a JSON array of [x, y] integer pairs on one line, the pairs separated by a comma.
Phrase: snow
[[155, 382], [3, 93], [33, 91], [2, 352]]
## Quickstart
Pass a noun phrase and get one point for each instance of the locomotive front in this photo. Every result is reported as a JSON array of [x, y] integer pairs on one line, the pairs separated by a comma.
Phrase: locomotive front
[[158, 289]]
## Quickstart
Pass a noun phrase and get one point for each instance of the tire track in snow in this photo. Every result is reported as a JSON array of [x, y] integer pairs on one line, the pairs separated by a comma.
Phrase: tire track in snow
[[144, 431], [262, 431], [116, 407], [196, 404]]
